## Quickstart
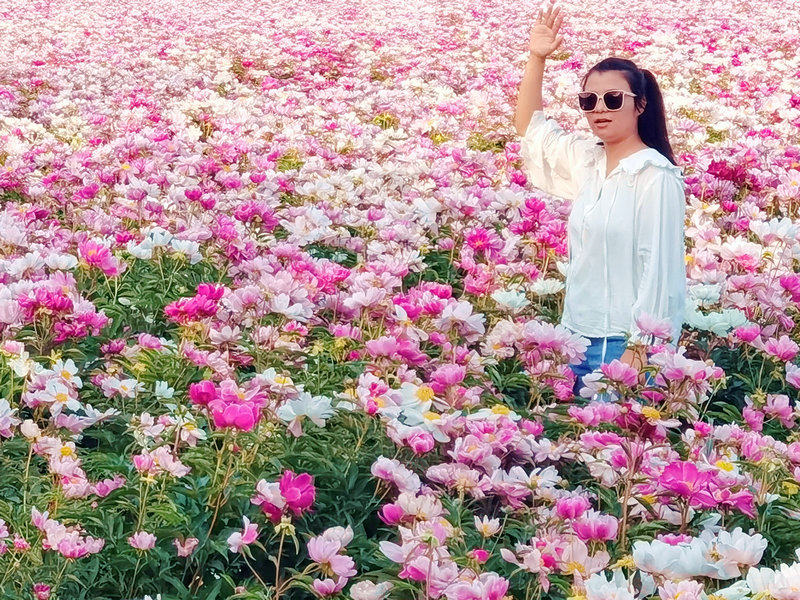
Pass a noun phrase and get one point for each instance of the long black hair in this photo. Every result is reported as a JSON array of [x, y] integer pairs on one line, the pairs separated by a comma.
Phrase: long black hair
[[652, 123]]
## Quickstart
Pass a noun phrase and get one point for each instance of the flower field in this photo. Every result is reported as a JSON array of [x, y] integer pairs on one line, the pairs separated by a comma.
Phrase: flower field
[[278, 309]]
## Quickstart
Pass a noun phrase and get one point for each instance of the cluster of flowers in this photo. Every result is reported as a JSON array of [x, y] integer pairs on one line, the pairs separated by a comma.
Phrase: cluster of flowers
[[232, 217]]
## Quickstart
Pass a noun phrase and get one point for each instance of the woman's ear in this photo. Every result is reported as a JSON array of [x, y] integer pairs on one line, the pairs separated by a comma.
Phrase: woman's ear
[[644, 104]]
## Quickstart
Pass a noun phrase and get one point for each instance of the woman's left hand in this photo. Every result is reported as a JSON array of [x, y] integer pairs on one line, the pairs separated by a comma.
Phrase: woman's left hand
[[635, 357]]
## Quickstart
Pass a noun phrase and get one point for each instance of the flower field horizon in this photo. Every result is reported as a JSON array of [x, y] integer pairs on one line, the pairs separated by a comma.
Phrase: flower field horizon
[[279, 309]]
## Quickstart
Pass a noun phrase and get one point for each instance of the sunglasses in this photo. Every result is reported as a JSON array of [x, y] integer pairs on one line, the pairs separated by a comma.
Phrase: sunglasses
[[613, 99]]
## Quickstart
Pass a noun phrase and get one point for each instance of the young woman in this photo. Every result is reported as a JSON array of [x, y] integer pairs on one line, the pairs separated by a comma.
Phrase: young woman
[[625, 231]]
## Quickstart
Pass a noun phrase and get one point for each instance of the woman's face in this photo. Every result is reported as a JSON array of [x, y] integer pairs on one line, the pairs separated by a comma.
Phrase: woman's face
[[622, 123]]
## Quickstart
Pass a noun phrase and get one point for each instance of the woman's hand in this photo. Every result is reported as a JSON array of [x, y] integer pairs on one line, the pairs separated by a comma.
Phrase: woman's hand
[[636, 358], [544, 35]]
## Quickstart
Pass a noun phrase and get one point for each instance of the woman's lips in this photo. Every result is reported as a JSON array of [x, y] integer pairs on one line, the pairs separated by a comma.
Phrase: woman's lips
[[601, 123]]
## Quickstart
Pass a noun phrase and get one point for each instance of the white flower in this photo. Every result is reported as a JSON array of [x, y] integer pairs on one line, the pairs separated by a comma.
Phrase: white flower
[[511, 299], [705, 294], [61, 262], [68, 372], [546, 287], [740, 548], [163, 390], [617, 588], [316, 408], [190, 249]]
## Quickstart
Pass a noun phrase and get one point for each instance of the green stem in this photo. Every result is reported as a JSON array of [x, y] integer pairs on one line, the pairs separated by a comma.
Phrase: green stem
[[278, 589], [135, 574]]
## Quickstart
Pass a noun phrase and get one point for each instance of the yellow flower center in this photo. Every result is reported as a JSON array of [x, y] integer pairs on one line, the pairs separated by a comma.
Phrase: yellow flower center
[[724, 465], [651, 414], [575, 567], [500, 409], [626, 561], [425, 393]]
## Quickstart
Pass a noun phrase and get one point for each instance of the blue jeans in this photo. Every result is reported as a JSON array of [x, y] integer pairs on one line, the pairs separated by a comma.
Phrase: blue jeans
[[615, 348]]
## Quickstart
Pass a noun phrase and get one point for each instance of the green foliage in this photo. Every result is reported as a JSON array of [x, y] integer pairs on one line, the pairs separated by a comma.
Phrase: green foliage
[[481, 143], [289, 161], [386, 120]]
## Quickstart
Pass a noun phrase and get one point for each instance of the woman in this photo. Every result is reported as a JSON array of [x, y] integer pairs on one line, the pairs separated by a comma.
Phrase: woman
[[625, 231]]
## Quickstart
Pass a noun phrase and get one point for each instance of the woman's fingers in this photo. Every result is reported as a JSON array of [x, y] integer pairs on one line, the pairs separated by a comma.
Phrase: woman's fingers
[[557, 24], [553, 13]]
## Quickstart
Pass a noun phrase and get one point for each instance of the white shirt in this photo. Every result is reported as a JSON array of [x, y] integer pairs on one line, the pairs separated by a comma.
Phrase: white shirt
[[625, 233]]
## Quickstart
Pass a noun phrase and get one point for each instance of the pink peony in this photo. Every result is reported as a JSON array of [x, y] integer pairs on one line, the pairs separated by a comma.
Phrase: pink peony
[[142, 540], [298, 491], [239, 539]]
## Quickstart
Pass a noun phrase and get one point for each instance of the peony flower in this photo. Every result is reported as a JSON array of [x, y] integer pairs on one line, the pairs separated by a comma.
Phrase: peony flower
[[298, 491], [142, 540], [239, 539]]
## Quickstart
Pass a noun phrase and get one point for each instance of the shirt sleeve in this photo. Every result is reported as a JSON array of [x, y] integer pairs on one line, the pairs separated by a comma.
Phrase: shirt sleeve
[[552, 156], [660, 250]]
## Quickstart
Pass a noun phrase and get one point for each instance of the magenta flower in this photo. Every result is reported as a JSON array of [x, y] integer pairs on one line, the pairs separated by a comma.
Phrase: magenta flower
[[41, 591], [298, 491], [685, 479], [572, 508], [203, 392], [595, 526], [235, 415]]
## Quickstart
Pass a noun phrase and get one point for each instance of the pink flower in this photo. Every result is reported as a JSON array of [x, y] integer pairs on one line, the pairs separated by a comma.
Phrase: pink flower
[[238, 539], [620, 372], [235, 415], [747, 333], [41, 591], [203, 392], [685, 479], [325, 552], [420, 441], [105, 487], [328, 587], [651, 326], [572, 508], [682, 590], [142, 540], [793, 375], [779, 406], [97, 255], [298, 491], [487, 586], [479, 555], [20, 543], [595, 526], [784, 348], [186, 547]]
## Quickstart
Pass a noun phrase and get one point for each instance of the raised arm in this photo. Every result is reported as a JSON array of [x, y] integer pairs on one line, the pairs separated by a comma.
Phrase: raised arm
[[551, 155], [543, 42]]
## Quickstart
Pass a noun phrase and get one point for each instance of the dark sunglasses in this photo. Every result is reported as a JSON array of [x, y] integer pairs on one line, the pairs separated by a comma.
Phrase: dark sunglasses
[[613, 99]]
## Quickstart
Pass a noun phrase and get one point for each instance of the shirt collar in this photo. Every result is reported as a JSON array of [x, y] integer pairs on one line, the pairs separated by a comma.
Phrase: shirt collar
[[633, 163]]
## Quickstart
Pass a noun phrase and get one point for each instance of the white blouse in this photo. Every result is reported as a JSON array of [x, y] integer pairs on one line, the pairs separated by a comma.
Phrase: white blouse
[[625, 232]]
